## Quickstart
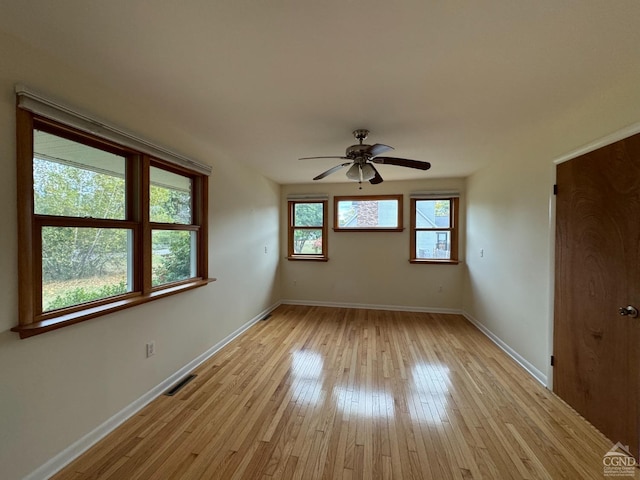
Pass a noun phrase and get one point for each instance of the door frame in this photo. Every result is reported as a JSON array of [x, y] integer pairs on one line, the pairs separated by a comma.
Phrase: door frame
[[614, 137]]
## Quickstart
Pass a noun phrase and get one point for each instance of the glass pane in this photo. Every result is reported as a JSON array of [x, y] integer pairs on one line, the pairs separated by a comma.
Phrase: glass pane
[[307, 214], [76, 180], [307, 242], [173, 256], [433, 244], [368, 214], [170, 197], [433, 213], [84, 264]]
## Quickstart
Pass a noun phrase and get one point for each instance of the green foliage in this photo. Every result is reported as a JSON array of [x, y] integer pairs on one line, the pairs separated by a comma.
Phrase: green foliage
[[169, 206], [301, 237], [74, 252], [442, 208], [82, 295], [307, 215], [176, 264]]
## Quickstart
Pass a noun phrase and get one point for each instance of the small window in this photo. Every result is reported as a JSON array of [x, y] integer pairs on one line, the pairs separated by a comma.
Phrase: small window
[[434, 234], [307, 230], [368, 213]]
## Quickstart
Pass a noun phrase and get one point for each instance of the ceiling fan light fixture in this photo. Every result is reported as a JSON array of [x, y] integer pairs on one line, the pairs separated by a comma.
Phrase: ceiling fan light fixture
[[367, 172], [354, 172]]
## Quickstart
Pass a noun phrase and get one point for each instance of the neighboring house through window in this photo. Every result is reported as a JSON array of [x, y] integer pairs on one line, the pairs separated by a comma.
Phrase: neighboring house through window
[[367, 213], [434, 229]]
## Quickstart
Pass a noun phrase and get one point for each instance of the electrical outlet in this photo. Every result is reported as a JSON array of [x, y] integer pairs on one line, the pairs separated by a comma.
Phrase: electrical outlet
[[151, 349], [265, 249]]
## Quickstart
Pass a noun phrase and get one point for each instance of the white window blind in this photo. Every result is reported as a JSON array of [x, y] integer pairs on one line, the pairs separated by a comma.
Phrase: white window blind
[[430, 195], [309, 196]]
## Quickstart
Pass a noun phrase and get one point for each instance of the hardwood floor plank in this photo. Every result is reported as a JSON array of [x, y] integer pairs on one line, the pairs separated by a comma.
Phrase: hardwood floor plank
[[331, 393]]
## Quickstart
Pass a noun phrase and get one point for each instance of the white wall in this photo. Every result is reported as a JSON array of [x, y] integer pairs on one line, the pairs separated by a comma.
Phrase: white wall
[[57, 387], [509, 290], [372, 268]]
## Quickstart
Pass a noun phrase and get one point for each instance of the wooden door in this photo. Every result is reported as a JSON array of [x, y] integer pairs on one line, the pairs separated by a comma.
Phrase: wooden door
[[596, 350]]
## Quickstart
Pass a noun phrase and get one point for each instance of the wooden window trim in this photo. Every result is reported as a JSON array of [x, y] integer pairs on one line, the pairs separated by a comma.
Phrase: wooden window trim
[[32, 320], [453, 228], [321, 257], [98, 309], [398, 198]]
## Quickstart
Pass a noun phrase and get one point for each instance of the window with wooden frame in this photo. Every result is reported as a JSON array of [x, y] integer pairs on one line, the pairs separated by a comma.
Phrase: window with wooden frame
[[307, 230], [367, 213], [434, 229], [103, 225]]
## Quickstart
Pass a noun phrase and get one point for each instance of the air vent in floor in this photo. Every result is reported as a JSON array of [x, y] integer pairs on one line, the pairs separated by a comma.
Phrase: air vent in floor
[[178, 386]]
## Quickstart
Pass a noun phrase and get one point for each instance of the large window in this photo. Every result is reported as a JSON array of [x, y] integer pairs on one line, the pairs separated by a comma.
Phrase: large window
[[434, 230], [102, 226], [307, 231], [365, 213]]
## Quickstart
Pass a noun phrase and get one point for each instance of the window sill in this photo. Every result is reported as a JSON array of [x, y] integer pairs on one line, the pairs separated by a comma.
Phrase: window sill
[[308, 258], [433, 261], [43, 326]]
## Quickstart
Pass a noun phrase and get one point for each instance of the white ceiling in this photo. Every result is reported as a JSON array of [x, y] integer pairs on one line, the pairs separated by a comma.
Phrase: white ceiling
[[267, 82]]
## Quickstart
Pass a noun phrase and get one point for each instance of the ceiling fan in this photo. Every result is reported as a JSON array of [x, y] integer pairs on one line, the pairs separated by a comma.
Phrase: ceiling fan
[[362, 157]]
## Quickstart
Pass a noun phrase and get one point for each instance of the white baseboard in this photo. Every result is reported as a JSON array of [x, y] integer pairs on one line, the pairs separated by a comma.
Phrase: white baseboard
[[399, 308], [77, 448], [523, 362]]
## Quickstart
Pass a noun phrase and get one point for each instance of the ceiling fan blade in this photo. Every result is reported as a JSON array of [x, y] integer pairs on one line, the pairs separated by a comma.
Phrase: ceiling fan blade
[[402, 162], [331, 170], [377, 179], [313, 158], [378, 149]]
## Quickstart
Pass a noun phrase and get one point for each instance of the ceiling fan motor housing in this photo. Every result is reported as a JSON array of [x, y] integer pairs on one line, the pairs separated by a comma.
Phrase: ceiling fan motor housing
[[357, 151]]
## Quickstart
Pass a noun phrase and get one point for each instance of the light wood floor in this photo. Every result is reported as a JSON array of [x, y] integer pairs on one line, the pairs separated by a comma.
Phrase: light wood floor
[[353, 394]]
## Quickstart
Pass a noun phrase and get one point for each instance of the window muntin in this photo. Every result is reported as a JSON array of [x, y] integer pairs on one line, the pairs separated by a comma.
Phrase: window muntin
[[434, 235], [84, 222], [307, 232], [368, 213]]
